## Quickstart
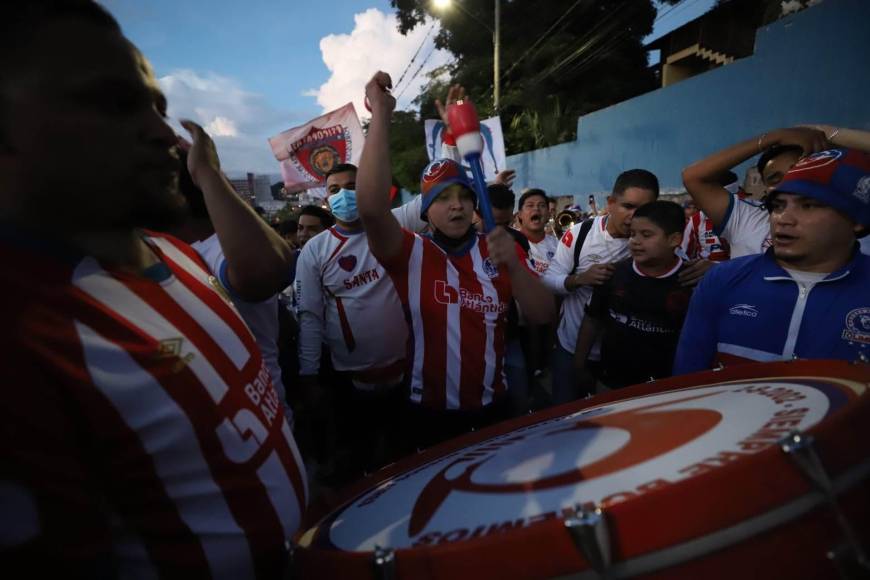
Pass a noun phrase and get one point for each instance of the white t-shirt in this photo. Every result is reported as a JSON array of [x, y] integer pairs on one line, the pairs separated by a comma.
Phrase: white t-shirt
[[261, 317], [542, 253], [598, 248], [347, 300], [746, 227]]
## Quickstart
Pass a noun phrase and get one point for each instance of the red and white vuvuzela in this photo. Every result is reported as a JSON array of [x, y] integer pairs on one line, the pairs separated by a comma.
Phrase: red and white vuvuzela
[[465, 126]]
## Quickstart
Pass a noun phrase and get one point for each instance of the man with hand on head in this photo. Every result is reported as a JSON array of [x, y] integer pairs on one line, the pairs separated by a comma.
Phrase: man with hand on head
[[744, 223], [141, 435], [806, 296], [455, 287]]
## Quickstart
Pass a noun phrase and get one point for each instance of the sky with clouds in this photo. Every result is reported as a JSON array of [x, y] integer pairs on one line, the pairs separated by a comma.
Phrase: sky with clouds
[[249, 70]]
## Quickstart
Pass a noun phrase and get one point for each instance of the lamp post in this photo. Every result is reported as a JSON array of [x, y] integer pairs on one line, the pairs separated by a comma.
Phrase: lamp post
[[496, 42]]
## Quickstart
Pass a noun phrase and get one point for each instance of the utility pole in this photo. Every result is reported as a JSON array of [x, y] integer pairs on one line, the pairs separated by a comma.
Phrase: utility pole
[[496, 47]]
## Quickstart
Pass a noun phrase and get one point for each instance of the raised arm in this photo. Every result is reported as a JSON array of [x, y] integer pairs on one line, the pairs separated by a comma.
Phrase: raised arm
[[373, 177], [258, 259], [700, 177], [536, 302], [843, 137]]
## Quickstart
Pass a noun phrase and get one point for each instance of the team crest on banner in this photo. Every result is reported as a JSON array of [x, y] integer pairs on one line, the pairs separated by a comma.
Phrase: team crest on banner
[[307, 153], [493, 157]]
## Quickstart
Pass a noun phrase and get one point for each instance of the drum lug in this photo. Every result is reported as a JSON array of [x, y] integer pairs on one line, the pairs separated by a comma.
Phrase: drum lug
[[802, 451], [588, 529], [384, 561]]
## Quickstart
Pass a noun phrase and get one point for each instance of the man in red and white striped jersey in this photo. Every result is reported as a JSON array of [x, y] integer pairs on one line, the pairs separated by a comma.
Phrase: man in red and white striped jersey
[[455, 286], [140, 434]]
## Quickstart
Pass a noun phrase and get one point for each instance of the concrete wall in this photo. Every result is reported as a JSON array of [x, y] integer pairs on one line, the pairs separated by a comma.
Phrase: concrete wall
[[811, 67]]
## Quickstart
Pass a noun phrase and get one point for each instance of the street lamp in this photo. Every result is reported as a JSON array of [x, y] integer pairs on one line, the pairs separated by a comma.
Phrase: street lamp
[[496, 42]]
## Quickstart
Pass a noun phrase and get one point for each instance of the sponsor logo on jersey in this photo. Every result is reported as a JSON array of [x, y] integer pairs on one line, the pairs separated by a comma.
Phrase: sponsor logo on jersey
[[568, 239], [362, 279], [743, 310], [858, 326], [447, 294]]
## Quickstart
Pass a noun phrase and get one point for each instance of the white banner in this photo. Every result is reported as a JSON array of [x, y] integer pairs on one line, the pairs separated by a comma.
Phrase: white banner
[[308, 152], [493, 157]]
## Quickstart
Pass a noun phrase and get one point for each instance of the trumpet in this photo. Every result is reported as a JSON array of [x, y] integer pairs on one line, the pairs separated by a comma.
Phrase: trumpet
[[565, 220]]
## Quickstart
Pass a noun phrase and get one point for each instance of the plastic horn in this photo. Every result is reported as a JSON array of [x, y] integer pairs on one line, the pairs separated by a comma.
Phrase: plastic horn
[[465, 127]]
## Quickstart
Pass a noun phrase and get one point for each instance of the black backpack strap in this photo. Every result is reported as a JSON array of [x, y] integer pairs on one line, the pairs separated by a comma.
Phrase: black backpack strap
[[581, 237]]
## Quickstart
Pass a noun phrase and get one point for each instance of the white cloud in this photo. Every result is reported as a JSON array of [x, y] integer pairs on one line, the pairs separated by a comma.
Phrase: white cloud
[[374, 44], [222, 127], [239, 121]]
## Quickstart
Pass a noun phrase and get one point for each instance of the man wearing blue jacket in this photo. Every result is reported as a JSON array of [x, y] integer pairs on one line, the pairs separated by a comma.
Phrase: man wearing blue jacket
[[808, 296]]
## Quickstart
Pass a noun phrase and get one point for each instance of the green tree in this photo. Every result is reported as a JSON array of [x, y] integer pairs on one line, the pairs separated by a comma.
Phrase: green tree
[[560, 59]]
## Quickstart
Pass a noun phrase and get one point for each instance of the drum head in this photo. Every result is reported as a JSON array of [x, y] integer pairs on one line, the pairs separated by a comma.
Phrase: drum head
[[688, 461]]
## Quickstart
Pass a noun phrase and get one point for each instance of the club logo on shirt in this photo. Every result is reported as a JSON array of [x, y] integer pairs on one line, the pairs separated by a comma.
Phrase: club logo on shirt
[[347, 263], [490, 269], [858, 326], [747, 310], [568, 239]]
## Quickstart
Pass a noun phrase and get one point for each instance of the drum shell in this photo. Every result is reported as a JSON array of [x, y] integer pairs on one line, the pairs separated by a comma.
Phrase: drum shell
[[663, 517]]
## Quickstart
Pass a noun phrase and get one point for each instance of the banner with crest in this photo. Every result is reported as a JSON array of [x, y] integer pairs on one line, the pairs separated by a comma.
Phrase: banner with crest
[[307, 153]]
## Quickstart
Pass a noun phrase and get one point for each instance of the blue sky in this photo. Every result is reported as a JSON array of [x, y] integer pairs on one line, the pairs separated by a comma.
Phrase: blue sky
[[249, 69]]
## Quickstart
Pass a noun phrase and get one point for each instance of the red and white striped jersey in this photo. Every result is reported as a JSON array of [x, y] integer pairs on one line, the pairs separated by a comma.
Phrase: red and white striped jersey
[[700, 240], [139, 424], [456, 307]]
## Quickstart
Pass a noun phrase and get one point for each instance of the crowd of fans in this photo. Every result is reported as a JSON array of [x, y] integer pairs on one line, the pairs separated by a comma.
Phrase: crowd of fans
[[164, 352]]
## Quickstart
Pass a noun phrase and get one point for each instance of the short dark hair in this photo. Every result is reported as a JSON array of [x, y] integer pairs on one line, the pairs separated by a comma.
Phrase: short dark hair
[[775, 151], [726, 178], [640, 178], [287, 227], [19, 20], [340, 168], [532, 193], [501, 196], [667, 215], [326, 219]]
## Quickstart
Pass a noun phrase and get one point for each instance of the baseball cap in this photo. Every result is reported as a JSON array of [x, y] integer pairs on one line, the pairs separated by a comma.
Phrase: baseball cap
[[438, 176], [839, 178]]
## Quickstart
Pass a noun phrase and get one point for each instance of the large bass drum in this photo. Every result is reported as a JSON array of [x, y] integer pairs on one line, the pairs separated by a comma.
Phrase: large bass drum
[[761, 471]]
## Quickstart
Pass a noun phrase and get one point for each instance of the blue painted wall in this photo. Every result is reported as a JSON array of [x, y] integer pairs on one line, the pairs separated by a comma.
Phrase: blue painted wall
[[811, 67]]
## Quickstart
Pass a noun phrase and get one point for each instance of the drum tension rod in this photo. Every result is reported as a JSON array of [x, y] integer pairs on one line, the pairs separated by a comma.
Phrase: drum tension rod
[[384, 561], [588, 529], [801, 449]]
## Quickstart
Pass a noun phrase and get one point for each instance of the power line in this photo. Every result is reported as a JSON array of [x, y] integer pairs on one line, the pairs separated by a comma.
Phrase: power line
[[543, 38], [411, 80], [416, 53]]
